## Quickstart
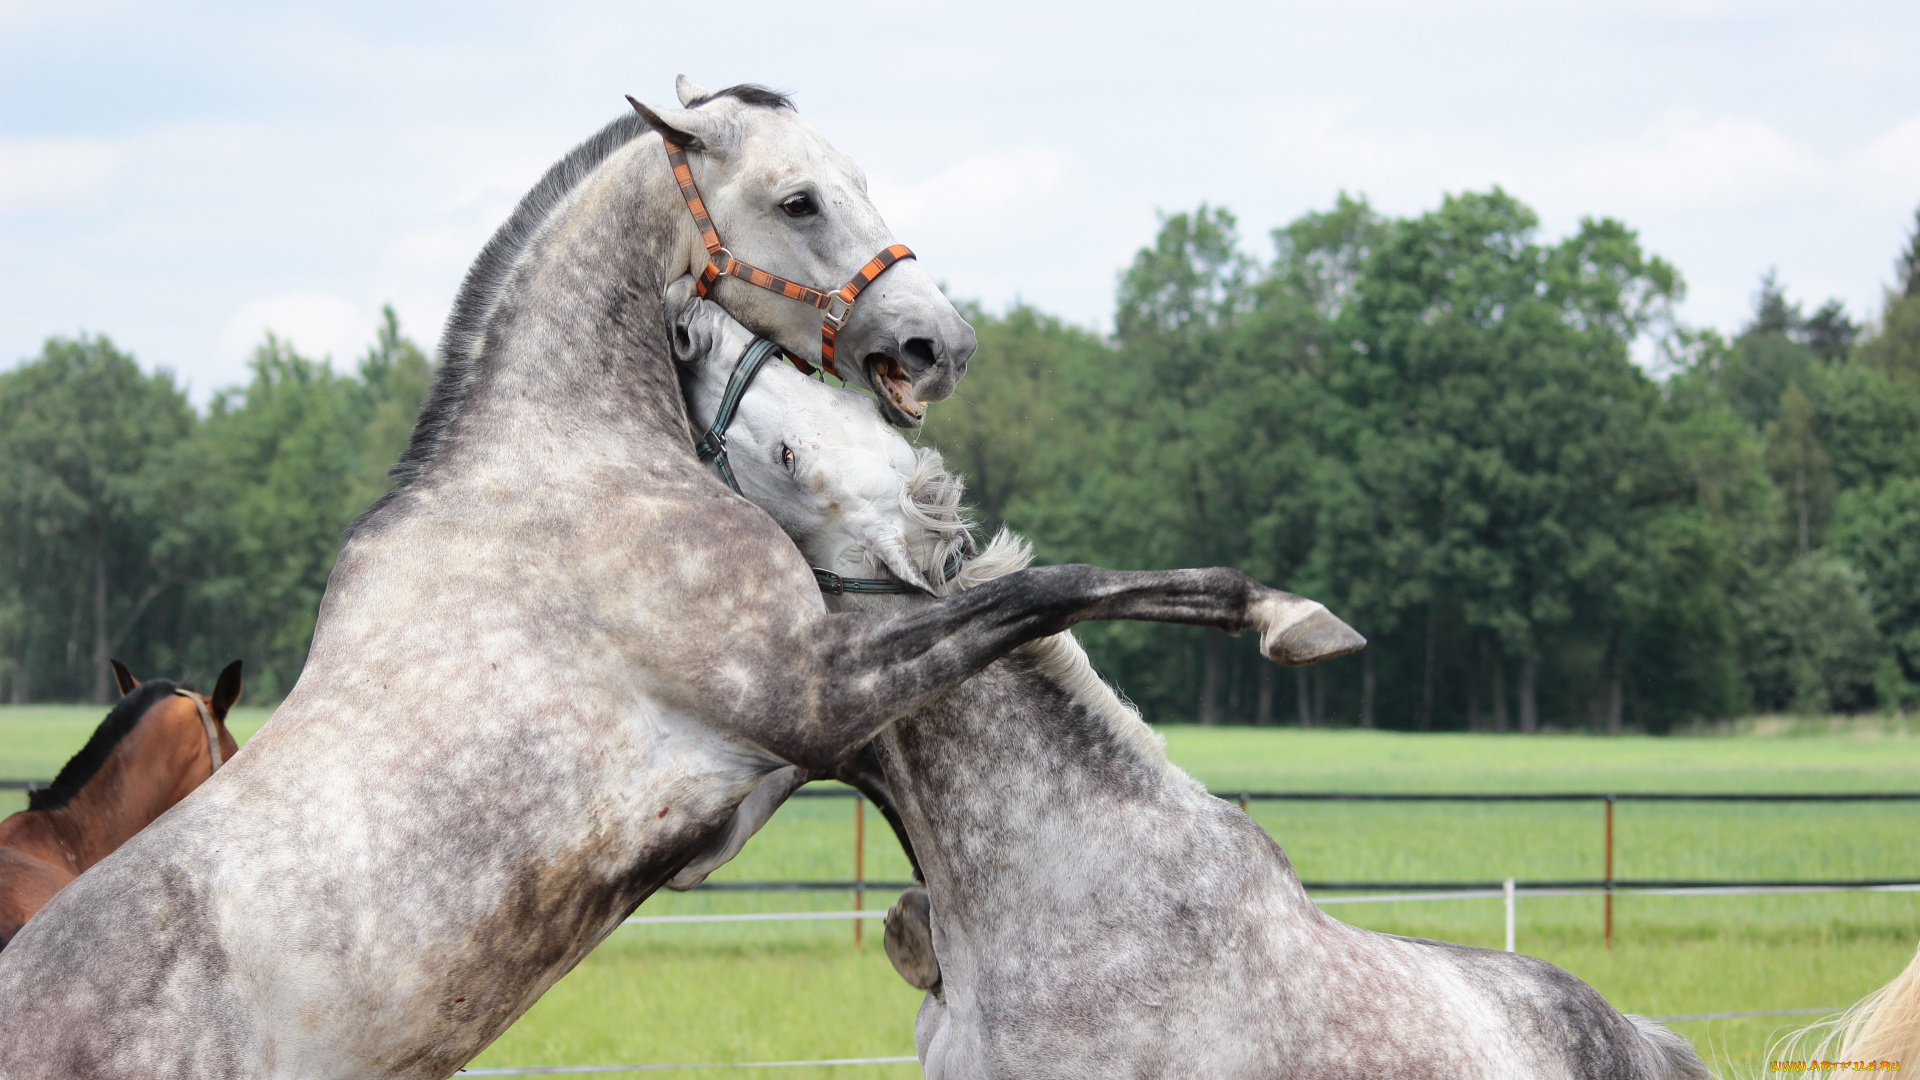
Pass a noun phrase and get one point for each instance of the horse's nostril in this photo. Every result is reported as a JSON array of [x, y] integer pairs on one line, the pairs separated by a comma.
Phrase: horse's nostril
[[919, 353]]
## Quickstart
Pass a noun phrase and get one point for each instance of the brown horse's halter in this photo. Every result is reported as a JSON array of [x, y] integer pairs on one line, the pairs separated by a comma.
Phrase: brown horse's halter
[[206, 721], [720, 262]]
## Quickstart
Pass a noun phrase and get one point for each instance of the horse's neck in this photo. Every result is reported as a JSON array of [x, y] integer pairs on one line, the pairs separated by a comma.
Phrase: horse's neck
[[705, 386], [153, 766], [573, 368], [1020, 741]]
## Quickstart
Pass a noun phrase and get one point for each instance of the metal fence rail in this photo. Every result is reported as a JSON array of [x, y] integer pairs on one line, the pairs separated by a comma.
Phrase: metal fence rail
[[822, 790], [1596, 886], [1607, 885], [825, 792]]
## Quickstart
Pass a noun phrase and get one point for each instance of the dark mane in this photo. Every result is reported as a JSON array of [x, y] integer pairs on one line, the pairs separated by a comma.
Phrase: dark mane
[[467, 324], [748, 94], [82, 766]]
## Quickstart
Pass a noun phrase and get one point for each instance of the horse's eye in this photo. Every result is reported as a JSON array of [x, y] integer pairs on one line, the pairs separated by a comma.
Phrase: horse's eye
[[799, 205], [786, 457]]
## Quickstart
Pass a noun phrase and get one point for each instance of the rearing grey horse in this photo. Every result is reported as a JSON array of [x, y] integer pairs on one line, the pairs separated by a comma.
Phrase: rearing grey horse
[[1094, 912], [551, 665]]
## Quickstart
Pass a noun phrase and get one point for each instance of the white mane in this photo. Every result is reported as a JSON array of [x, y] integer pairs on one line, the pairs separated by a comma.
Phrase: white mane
[[931, 500]]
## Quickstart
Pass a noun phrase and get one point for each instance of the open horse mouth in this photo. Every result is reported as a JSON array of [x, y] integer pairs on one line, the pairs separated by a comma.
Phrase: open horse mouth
[[885, 374]]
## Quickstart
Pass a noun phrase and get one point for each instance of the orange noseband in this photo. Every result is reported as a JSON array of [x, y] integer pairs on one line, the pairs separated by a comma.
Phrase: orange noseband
[[720, 262]]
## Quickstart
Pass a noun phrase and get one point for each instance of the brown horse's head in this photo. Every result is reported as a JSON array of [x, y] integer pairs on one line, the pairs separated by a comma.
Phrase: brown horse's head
[[185, 718], [157, 745]]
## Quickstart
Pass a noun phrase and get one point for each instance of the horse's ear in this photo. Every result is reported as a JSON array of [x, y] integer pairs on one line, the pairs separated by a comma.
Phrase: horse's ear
[[226, 691], [892, 549], [690, 91], [689, 129], [124, 677]]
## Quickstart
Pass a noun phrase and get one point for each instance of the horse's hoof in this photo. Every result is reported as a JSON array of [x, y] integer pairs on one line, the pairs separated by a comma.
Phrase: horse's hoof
[[909, 939], [1296, 631]]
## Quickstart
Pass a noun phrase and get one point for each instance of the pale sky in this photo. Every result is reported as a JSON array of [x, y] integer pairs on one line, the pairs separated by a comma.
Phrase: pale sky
[[184, 177]]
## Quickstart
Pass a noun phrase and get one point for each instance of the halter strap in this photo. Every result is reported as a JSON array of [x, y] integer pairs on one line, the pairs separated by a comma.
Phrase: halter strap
[[206, 721], [713, 447], [834, 585], [721, 263]]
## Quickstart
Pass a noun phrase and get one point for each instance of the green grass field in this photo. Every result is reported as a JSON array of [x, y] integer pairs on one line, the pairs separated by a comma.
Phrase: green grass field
[[800, 990]]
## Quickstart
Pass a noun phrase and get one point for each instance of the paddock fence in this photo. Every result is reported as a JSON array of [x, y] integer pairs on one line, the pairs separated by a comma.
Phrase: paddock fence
[[1607, 885]]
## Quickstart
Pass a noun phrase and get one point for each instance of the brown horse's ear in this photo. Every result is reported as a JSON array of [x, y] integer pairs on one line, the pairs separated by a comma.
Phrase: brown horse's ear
[[124, 677], [226, 691]]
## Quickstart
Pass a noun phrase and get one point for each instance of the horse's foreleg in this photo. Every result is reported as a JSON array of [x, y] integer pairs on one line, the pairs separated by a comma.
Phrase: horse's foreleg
[[850, 675], [863, 773]]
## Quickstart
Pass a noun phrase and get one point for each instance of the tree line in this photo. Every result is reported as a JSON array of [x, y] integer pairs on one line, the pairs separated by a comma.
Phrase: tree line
[[1439, 425], [132, 526]]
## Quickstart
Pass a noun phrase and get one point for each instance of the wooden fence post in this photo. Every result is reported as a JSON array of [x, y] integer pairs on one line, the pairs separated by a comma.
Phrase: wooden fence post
[[1609, 875], [859, 864]]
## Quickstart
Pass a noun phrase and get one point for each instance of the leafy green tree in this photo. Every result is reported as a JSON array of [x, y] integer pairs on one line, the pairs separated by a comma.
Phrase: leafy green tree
[[1877, 529], [279, 463], [1501, 436], [1151, 478], [1800, 465], [394, 375], [1830, 333], [282, 467], [1895, 348], [80, 507], [1000, 425], [1867, 423], [1767, 357], [1817, 648]]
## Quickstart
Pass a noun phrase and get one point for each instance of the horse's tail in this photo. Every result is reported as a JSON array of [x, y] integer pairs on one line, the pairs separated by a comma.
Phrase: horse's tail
[[1673, 1056], [1883, 1026]]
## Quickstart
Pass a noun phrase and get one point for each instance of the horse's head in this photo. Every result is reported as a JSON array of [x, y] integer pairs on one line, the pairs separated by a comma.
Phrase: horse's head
[[853, 495], [842, 483], [193, 720], [783, 200]]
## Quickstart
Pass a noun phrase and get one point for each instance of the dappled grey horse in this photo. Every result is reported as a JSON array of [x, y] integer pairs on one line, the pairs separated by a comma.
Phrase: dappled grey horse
[[552, 665], [1090, 911]]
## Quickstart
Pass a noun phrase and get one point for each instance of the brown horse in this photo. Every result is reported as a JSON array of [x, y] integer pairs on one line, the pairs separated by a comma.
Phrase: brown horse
[[154, 748]]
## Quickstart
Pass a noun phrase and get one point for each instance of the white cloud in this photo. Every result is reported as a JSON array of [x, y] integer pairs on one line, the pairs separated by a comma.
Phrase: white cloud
[[1324, 134], [317, 324], [1684, 158], [1853, 53], [1896, 155], [44, 172], [979, 190], [1680, 159], [190, 163]]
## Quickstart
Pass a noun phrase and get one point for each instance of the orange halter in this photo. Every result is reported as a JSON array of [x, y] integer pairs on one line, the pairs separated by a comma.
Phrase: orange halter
[[721, 262]]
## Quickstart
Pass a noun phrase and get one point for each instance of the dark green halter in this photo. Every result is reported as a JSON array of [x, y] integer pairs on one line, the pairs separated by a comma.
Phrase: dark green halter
[[713, 447]]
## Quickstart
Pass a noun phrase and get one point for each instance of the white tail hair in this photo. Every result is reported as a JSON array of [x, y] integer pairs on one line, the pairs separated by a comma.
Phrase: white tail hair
[[1673, 1054], [1883, 1026]]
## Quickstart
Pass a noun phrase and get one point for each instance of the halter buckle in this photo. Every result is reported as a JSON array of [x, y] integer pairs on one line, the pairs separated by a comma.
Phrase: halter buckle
[[830, 583], [712, 445], [835, 320]]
